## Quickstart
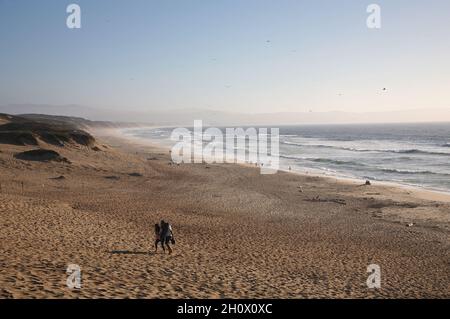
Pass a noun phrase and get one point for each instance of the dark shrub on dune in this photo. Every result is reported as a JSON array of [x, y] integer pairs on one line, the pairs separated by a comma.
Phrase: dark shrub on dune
[[18, 138], [41, 155], [82, 138], [54, 139], [135, 174], [22, 131]]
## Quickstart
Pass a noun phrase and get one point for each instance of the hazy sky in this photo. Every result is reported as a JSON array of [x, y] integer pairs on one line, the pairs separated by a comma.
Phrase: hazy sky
[[233, 55]]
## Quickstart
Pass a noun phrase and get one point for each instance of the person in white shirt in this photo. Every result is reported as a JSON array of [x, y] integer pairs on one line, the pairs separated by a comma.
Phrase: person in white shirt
[[166, 236]]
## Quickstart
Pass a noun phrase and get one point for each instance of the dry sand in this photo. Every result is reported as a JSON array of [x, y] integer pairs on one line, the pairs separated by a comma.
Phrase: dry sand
[[239, 234]]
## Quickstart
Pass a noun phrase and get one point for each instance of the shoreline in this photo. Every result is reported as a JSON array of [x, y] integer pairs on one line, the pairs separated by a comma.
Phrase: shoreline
[[420, 192]]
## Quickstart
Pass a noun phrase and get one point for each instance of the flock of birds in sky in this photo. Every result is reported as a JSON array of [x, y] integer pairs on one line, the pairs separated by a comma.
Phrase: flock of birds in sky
[[268, 42]]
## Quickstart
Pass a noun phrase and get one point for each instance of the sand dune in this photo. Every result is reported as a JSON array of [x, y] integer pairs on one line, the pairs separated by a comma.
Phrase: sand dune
[[239, 233]]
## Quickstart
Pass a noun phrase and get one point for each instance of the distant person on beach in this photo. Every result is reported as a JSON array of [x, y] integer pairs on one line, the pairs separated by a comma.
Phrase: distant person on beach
[[157, 236], [166, 236]]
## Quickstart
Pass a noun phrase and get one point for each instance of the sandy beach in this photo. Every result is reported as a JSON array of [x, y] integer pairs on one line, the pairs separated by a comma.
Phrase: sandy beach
[[239, 234]]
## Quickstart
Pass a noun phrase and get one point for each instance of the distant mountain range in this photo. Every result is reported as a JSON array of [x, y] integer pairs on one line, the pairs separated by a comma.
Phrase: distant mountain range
[[218, 118]]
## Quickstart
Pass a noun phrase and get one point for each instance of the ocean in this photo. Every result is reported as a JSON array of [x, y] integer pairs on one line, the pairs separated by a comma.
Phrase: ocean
[[410, 154]]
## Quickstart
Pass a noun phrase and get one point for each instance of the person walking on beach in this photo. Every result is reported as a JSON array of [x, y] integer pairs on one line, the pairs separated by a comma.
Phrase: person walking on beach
[[166, 236], [157, 236]]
